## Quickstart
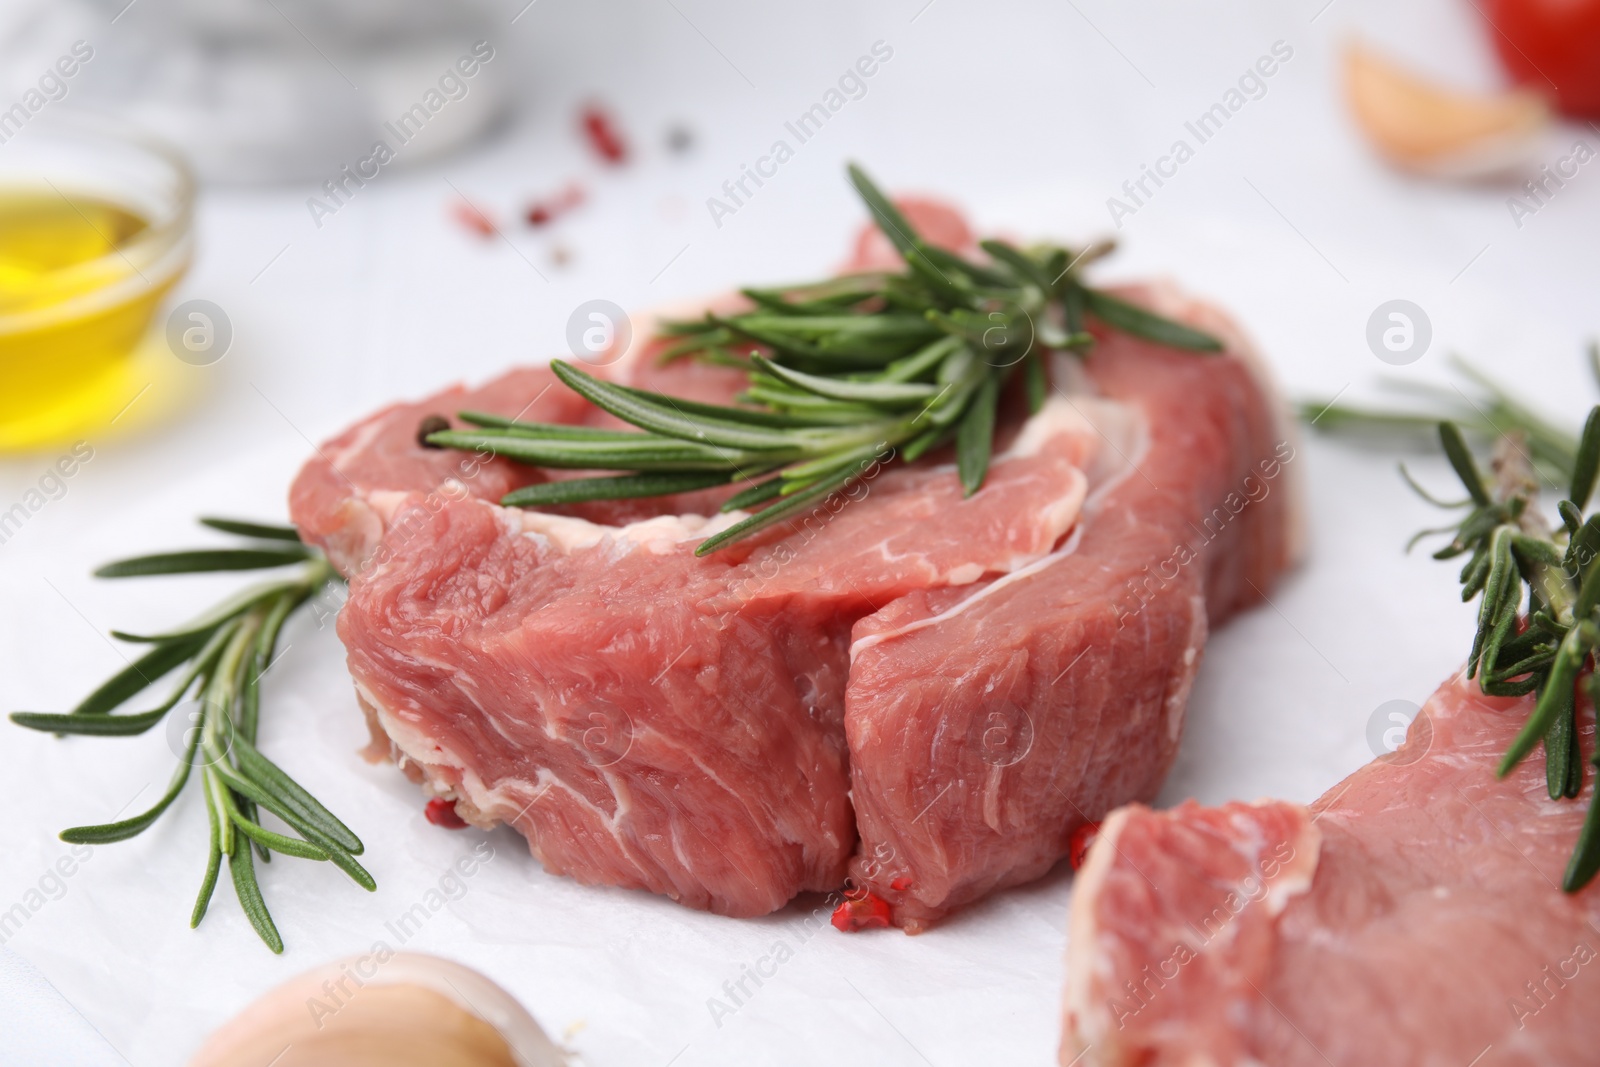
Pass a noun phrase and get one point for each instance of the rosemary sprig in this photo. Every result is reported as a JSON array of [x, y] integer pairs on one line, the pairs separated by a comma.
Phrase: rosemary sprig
[[1538, 588], [1483, 410], [845, 374], [223, 655]]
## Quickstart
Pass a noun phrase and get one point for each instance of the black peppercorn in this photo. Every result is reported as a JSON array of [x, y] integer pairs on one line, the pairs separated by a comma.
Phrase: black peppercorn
[[431, 424]]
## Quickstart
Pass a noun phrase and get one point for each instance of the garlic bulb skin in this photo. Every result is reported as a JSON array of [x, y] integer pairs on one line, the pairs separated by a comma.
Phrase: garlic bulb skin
[[396, 1010], [1426, 128]]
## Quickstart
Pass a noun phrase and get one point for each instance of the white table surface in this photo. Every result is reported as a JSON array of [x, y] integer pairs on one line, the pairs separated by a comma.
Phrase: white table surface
[[1030, 114]]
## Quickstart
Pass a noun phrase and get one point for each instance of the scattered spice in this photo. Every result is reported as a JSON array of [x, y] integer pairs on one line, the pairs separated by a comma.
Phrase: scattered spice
[[431, 424], [442, 812], [560, 255], [859, 910], [541, 212], [474, 219], [1078, 844], [602, 134], [679, 139], [900, 884]]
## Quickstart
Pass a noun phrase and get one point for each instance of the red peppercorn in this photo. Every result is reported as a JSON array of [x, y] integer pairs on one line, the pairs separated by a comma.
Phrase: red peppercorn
[[442, 812], [543, 211], [474, 219], [859, 910], [900, 884], [1078, 844], [603, 136]]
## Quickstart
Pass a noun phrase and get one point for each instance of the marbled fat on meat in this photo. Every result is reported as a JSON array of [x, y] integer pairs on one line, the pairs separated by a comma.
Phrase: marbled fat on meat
[[923, 692], [1412, 915], [986, 724], [651, 719]]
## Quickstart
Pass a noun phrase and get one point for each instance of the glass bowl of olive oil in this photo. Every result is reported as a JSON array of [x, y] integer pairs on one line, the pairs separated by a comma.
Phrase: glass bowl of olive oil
[[96, 226]]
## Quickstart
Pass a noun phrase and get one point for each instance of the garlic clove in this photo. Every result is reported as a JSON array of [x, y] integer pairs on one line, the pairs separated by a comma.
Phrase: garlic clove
[[383, 1010], [1423, 127]]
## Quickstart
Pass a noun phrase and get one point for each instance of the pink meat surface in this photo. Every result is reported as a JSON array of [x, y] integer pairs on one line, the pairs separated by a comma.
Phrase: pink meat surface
[[339, 497], [986, 724], [333, 499], [654, 720], [1412, 915], [922, 692]]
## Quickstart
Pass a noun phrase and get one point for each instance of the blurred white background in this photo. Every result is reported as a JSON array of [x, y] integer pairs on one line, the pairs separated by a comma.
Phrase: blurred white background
[[1031, 115]]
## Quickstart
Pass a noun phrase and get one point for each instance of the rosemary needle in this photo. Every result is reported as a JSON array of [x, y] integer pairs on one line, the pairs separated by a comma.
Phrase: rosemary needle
[[883, 363], [1538, 590], [223, 655]]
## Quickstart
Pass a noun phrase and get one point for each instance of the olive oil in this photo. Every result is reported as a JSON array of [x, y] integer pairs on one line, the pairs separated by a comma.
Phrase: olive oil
[[77, 292]]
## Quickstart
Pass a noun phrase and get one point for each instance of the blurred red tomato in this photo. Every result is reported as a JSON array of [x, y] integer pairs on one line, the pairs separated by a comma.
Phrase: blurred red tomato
[[1553, 47]]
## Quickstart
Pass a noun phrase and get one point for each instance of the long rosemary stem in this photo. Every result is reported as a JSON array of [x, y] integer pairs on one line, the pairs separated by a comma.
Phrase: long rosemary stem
[[223, 656]]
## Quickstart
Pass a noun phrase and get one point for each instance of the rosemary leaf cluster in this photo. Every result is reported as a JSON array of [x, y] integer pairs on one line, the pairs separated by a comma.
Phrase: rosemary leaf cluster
[[221, 657], [843, 374], [1538, 589]]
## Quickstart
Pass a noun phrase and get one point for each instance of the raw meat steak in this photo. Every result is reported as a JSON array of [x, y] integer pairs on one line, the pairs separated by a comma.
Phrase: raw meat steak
[[696, 727], [987, 723], [1412, 915], [654, 720]]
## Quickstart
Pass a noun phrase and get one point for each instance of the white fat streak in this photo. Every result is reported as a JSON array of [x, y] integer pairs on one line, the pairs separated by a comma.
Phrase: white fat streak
[[663, 533], [365, 433], [1033, 568], [511, 797], [1057, 416], [1088, 969], [505, 801], [1122, 430], [1126, 453], [660, 535], [965, 574], [421, 749], [411, 741], [1178, 698], [385, 502], [1295, 879], [1058, 515]]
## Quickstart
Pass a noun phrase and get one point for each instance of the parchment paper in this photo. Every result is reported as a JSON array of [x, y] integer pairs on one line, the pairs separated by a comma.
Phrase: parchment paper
[[1284, 218]]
